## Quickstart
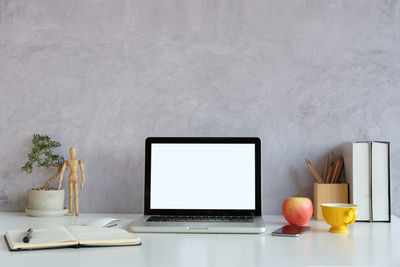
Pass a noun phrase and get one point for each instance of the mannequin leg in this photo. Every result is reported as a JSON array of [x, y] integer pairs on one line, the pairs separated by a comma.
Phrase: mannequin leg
[[76, 189], [70, 199]]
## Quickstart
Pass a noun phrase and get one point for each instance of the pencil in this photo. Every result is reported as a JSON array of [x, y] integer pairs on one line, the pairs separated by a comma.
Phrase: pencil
[[333, 172], [339, 169], [314, 171], [328, 178], [328, 159], [311, 170]]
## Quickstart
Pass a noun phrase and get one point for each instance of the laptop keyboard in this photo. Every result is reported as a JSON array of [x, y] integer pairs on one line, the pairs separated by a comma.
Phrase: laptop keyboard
[[231, 219]]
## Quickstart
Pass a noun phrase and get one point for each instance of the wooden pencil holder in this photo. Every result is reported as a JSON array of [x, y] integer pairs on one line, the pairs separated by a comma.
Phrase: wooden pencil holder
[[329, 193]]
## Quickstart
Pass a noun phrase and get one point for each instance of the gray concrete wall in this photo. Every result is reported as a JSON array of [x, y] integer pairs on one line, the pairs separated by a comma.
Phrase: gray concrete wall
[[103, 75]]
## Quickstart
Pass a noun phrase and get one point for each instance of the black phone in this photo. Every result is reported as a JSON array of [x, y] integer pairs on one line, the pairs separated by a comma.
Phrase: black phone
[[291, 230]]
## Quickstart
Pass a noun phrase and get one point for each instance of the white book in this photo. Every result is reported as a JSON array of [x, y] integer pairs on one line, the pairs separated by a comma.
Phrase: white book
[[357, 167], [380, 181]]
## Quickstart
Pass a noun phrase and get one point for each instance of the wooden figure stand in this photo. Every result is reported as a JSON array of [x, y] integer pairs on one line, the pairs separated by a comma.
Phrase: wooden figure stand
[[73, 179]]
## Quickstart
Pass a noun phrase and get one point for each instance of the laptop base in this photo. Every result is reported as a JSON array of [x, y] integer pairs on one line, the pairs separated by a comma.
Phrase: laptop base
[[142, 225]]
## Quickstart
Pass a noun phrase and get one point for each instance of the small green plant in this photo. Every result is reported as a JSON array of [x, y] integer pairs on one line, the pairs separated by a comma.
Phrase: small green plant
[[43, 156]]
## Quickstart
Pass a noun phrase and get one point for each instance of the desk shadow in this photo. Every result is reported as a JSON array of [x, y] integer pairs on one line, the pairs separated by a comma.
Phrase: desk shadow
[[268, 223], [319, 230]]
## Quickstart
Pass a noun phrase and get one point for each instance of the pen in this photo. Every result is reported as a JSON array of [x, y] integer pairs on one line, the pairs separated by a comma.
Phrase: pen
[[28, 236]]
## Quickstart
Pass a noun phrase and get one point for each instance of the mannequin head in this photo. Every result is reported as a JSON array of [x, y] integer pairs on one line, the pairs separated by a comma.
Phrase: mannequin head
[[72, 152]]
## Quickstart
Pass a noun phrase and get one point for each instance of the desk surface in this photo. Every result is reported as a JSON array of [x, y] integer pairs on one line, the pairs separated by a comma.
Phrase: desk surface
[[367, 244]]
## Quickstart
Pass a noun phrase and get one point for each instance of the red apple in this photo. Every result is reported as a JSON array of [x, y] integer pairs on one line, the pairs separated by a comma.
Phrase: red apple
[[297, 210]]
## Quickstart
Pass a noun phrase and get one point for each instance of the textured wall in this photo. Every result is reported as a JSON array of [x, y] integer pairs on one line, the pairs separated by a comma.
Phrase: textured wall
[[103, 75]]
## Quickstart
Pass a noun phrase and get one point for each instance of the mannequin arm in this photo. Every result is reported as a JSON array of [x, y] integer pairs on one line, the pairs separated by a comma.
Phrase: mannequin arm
[[82, 172], [62, 174]]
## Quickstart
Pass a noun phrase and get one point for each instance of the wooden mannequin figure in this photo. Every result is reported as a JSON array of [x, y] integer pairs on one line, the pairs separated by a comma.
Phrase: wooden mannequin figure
[[73, 179]]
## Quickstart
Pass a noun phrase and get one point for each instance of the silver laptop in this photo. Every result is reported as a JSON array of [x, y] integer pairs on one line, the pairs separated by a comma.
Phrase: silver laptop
[[202, 185]]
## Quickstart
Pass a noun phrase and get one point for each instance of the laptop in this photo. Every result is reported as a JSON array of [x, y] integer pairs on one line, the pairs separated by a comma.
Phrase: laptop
[[202, 185]]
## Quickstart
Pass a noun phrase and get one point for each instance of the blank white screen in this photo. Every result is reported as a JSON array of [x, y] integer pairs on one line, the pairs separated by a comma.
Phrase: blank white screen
[[202, 176]]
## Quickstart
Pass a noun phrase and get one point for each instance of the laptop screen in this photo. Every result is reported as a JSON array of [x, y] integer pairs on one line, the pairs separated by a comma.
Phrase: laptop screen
[[205, 175], [202, 176]]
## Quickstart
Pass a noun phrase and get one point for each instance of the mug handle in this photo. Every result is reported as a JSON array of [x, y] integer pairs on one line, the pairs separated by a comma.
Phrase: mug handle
[[354, 217]]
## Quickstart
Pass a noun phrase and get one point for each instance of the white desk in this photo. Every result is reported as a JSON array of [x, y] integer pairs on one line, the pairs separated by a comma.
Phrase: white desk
[[367, 244]]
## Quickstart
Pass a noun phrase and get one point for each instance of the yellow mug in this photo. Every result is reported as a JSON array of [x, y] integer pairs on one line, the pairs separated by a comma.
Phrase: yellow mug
[[339, 216]]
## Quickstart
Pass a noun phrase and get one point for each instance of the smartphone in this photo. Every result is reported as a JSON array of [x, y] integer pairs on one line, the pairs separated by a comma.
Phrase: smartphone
[[291, 230]]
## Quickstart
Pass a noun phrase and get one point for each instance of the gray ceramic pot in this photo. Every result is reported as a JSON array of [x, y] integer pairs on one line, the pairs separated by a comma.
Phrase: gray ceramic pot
[[45, 203]]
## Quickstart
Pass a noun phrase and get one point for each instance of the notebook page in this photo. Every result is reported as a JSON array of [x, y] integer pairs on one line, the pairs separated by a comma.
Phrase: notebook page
[[102, 236], [41, 237]]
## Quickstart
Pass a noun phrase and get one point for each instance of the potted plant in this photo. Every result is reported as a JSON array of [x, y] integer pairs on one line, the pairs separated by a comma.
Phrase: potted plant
[[45, 201]]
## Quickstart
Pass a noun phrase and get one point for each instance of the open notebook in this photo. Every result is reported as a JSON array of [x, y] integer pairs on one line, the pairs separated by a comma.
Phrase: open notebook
[[71, 236]]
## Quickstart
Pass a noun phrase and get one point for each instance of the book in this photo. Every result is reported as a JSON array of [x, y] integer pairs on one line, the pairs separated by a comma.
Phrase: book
[[70, 236], [357, 167], [380, 181]]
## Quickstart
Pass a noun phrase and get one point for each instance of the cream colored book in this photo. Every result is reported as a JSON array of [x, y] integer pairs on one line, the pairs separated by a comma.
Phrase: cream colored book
[[357, 168], [70, 236], [380, 181]]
